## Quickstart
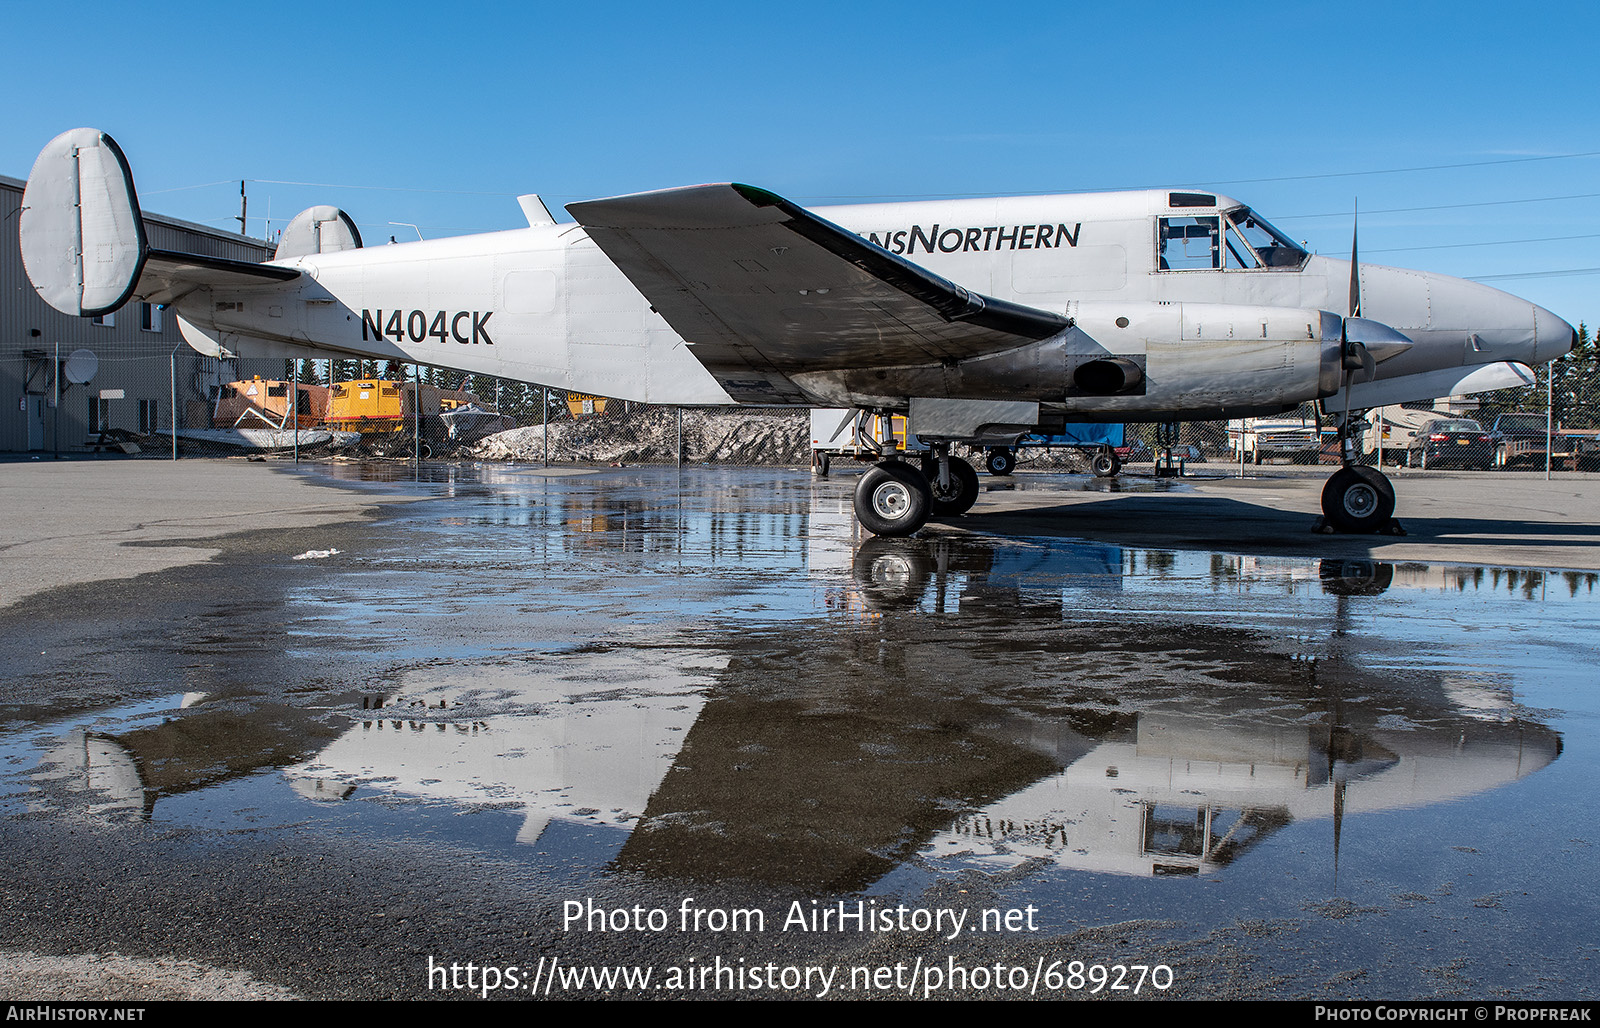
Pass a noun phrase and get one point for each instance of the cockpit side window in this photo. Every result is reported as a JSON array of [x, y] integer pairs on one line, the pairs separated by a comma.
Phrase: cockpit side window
[[1272, 247], [1238, 255], [1190, 243]]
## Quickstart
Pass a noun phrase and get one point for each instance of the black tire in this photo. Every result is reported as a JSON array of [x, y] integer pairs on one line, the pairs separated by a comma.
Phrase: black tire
[[963, 492], [1105, 465], [1001, 461], [1358, 499], [893, 499], [821, 465], [892, 572]]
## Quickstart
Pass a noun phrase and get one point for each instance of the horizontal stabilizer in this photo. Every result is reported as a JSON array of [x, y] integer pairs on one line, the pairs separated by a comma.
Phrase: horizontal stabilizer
[[167, 275], [764, 289]]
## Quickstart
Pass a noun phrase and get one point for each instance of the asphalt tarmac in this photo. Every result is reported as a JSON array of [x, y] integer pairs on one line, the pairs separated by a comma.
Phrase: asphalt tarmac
[[340, 732]]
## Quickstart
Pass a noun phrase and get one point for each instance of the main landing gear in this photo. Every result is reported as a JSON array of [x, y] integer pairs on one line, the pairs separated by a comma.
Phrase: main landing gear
[[895, 499], [1358, 498]]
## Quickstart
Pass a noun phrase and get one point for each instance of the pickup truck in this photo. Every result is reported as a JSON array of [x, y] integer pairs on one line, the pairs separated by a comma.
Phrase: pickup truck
[[1257, 439], [1519, 440]]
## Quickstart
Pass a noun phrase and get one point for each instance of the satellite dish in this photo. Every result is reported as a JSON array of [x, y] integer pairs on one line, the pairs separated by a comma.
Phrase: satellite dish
[[81, 366]]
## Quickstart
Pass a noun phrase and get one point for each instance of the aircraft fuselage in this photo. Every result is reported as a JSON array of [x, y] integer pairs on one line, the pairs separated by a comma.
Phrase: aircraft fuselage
[[1219, 314]]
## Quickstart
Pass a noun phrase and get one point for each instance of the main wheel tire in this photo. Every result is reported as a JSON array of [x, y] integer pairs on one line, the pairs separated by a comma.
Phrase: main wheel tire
[[1105, 465], [893, 499], [1358, 499], [963, 491], [1001, 461]]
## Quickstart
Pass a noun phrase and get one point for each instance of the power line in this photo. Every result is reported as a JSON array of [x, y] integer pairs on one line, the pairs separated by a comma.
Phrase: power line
[[1487, 242], [387, 189], [943, 196], [1398, 171], [1563, 273], [1438, 207]]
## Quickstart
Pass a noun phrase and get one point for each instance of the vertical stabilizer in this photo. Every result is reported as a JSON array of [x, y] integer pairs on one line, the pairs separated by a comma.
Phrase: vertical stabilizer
[[82, 237]]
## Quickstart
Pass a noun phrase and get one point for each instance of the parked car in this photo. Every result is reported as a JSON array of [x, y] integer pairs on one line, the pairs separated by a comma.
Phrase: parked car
[[1452, 443], [1135, 452]]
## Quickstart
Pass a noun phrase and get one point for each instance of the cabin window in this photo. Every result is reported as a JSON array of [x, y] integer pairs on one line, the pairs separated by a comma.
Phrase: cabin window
[[277, 390], [1189, 244]]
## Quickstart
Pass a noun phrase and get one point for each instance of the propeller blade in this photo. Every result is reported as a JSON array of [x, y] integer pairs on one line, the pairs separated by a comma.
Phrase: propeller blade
[[1355, 267]]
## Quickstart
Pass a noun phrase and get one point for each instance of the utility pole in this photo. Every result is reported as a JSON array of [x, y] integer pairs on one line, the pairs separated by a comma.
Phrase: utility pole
[[242, 205]]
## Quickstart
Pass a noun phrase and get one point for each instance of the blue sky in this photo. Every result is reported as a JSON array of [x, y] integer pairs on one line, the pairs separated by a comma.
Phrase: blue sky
[[442, 115]]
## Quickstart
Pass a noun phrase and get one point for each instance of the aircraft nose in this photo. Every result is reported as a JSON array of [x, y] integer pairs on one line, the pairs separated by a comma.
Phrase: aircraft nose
[[1552, 336]]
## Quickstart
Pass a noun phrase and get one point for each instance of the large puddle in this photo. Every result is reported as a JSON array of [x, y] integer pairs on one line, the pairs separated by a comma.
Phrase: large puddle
[[712, 679]]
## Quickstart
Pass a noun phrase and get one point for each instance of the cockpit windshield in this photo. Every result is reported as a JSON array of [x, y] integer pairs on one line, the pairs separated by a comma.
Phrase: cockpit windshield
[[1252, 242]]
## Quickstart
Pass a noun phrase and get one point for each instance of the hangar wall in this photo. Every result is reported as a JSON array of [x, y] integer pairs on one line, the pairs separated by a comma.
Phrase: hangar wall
[[135, 346]]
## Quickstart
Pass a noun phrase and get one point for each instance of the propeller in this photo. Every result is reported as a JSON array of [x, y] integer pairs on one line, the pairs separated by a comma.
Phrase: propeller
[[1356, 355]]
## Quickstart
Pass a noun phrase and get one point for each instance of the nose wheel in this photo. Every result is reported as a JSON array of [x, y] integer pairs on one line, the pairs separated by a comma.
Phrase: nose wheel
[[1358, 499]]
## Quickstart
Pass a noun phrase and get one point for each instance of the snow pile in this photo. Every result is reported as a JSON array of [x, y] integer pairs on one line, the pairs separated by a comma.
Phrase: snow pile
[[649, 436]]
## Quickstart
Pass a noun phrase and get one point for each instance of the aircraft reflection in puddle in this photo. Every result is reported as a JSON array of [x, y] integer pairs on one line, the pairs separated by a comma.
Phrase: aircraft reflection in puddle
[[582, 738], [998, 701], [973, 699]]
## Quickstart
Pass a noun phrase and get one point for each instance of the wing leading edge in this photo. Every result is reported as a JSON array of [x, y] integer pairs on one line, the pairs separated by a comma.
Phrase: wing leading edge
[[763, 289]]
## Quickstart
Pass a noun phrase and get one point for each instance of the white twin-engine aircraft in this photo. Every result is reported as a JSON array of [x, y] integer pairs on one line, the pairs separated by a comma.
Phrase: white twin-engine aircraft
[[980, 319]]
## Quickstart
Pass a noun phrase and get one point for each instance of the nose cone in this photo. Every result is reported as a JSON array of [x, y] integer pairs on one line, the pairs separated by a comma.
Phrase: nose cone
[[1496, 324], [1552, 337]]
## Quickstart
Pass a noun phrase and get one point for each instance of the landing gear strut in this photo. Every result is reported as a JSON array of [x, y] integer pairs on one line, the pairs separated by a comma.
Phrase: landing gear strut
[[952, 481], [1166, 439], [1358, 498]]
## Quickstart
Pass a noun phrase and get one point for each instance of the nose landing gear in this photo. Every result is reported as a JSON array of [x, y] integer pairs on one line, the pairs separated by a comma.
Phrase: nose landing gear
[[1357, 499]]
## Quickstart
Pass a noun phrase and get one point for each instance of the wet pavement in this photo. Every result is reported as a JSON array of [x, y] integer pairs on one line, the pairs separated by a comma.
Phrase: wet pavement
[[1276, 775]]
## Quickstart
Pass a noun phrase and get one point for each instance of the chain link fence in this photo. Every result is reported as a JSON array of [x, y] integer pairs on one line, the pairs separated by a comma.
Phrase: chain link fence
[[171, 403]]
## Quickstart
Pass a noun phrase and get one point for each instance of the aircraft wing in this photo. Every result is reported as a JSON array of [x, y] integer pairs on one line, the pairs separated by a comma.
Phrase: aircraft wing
[[762, 288], [167, 275]]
